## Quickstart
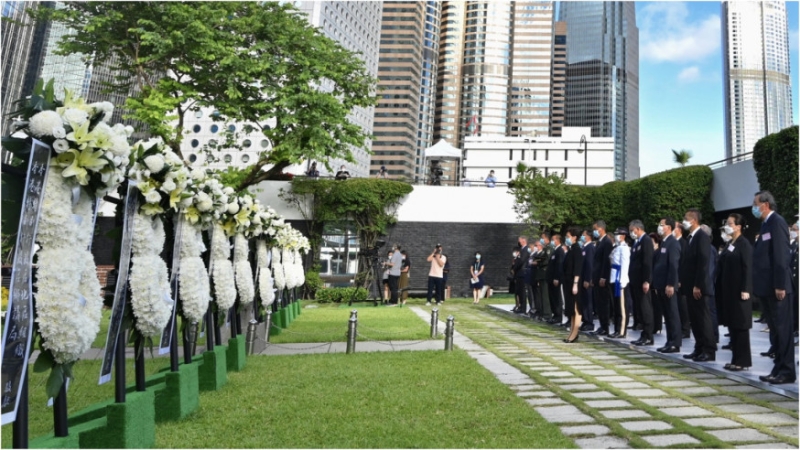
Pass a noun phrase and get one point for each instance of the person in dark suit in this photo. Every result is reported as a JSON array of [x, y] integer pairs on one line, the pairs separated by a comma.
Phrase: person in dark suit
[[713, 257], [520, 269], [694, 284], [555, 269], [601, 275], [640, 274], [665, 282], [571, 280], [586, 288], [772, 282], [683, 305], [542, 261], [796, 288], [658, 313], [734, 284]]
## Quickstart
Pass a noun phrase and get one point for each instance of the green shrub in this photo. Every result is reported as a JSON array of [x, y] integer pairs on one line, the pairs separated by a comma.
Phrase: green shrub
[[339, 295], [775, 159], [313, 282]]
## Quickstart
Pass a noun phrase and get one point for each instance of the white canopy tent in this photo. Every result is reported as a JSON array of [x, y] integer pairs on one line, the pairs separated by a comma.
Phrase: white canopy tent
[[443, 151]]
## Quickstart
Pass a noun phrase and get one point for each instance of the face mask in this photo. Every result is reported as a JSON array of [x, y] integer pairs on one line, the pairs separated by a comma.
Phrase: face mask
[[727, 229], [793, 234], [596, 234], [686, 224], [515, 254], [620, 238], [582, 240], [478, 257], [660, 230], [569, 242], [756, 212], [726, 238], [541, 241]]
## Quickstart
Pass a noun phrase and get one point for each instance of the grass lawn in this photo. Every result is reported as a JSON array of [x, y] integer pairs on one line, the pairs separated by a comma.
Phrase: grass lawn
[[375, 400]]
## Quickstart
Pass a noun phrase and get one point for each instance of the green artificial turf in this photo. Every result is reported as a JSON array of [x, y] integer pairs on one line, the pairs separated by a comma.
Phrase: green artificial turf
[[375, 400]]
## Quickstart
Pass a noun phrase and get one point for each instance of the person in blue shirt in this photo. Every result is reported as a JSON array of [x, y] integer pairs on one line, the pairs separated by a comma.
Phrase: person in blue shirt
[[491, 181]]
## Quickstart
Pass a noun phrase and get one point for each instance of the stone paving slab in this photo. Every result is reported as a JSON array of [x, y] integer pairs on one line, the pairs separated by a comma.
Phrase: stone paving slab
[[769, 419], [770, 445], [746, 408], [678, 383], [593, 394], [616, 378], [770, 397], [720, 382], [545, 401], [712, 422], [563, 414], [662, 402], [646, 425], [687, 411], [602, 442], [597, 430], [524, 387], [790, 431], [791, 405], [743, 388], [536, 394], [700, 390], [604, 404], [570, 380], [666, 440], [561, 373], [578, 387], [514, 380], [642, 371], [642, 393], [630, 385], [596, 372], [741, 435], [624, 413], [720, 400], [542, 368], [658, 377]]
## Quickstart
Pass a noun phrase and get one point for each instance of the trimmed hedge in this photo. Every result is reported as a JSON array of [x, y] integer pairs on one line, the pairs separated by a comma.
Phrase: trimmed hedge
[[668, 193], [775, 158], [339, 295]]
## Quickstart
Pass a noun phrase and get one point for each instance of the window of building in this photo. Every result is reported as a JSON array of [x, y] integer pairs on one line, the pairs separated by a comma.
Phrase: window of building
[[195, 143], [192, 157], [247, 143], [214, 128], [198, 114], [228, 158], [245, 158], [196, 128]]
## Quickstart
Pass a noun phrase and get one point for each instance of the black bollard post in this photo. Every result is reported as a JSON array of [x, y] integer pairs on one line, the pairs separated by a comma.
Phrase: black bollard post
[[210, 322], [119, 367], [217, 330], [138, 347], [61, 428], [187, 344], [20, 427], [173, 348], [232, 317]]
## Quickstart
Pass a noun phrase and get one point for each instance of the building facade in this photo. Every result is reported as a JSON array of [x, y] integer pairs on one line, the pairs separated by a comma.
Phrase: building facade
[[558, 79], [602, 42], [758, 89], [578, 156]]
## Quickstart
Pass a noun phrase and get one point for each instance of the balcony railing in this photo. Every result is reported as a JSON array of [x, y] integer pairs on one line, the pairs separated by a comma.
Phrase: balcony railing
[[732, 160]]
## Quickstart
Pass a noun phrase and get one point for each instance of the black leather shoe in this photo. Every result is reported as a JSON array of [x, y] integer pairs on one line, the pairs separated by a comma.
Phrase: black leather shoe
[[692, 355], [726, 347], [640, 343], [768, 354], [638, 327], [781, 379], [587, 327], [671, 349], [661, 349], [567, 341], [687, 335], [601, 332], [705, 357], [766, 378], [614, 335], [637, 342]]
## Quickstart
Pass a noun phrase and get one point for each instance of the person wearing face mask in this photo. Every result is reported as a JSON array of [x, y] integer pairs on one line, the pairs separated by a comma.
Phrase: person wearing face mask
[[342, 174], [658, 311], [586, 289], [734, 284], [573, 265], [640, 275], [620, 260], [665, 283], [772, 283], [405, 273], [476, 278], [712, 272], [541, 293], [520, 269], [694, 284], [555, 270], [793, 246], [534, 247], [601, 275], [683, 305]]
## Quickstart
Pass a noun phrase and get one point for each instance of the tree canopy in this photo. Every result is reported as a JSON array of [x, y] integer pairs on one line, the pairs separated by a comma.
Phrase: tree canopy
[[775, 159], [249, 61]]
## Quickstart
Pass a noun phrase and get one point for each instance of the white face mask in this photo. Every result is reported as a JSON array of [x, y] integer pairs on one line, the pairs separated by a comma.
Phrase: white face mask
[[793, 234], [620, 238], [514, 254], [686, 224], [726, 238], [660, 230], [727, 229]]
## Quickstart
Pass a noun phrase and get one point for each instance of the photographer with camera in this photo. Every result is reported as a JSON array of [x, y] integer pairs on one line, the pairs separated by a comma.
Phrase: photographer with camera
[[436, 275], [395, 264]]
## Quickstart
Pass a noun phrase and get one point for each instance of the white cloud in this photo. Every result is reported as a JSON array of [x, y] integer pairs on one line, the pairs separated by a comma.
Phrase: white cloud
[[793, 39], [689, 74], [669, 33]]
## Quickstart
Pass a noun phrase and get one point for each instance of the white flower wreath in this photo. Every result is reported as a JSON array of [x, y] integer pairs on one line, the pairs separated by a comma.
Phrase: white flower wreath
[[193, 275], [222, 269], [243, 270], [150, 292], [277, 269], [265, 284]]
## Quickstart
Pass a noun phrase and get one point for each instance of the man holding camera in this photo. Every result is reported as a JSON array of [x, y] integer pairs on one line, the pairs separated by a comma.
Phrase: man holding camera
[[395, 265], [436, 275]]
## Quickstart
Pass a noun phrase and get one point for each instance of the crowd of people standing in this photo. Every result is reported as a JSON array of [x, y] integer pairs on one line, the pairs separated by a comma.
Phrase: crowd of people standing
[[673, 280]]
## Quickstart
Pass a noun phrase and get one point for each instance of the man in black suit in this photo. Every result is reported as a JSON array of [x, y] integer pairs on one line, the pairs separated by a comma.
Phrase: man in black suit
[[601, 274], [665, 283], [683, 305], [772, 282], [586, 288], [640, 274], [521, 274], [796, 288], [542, 261], [696, 286], [555, 269]]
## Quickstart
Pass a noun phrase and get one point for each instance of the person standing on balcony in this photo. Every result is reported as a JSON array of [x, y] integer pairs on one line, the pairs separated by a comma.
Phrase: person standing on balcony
[[491, 181]]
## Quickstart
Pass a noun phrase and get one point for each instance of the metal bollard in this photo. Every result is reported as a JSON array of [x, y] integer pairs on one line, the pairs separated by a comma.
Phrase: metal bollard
[[448, 334], [434, 322], [352, 327], [268, 321], [251, 336], [192, 338]]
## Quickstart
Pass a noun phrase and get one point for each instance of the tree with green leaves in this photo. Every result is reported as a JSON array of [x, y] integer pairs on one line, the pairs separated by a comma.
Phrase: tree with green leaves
[[775, 159], [544, 203], [250, 61], [681, 157]]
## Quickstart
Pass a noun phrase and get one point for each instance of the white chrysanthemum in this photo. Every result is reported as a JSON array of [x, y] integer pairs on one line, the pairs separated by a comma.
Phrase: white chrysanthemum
[[128, 130], [56, 220], [150, 299], [75, 116], [299, 272], [59, 132], [193, 277], [154, 163], [265, 287], [233, 208], [278, 274], [224, 287], [243, 270], [152, 197], [220, 245], [43, 123]]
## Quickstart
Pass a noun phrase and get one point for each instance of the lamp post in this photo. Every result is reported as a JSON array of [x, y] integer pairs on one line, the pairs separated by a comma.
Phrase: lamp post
[[585, 151]]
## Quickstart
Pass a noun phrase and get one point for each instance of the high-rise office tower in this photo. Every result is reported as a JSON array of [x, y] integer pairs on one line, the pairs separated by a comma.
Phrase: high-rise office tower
[[427, 96], [397, 120], [758, 89], [22, 43], [603, 76], [494, 69], [558, 87]]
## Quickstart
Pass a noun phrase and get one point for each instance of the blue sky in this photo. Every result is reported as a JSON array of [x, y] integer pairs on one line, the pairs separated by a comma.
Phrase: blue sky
[[680, 81]]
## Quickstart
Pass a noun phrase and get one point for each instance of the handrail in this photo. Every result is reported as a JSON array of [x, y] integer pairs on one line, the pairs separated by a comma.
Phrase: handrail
[[740, 157]]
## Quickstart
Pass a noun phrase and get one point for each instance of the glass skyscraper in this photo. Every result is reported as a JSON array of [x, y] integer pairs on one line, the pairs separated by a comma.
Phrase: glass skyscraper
[[603, 76], [758, 89]]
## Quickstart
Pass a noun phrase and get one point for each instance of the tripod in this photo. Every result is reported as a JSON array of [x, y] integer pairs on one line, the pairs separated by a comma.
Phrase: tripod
[[373, 281]]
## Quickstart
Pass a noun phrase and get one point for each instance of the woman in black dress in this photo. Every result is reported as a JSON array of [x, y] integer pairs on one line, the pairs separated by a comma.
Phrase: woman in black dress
[[476, 278], [573, 264], [734, 285]]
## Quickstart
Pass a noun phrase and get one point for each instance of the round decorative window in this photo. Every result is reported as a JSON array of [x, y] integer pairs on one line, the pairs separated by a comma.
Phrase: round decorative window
[[247, 143], [195, 143], [245, 158], [192, 158], [228, 158], [198, 114], [196, 128], [214, 128]]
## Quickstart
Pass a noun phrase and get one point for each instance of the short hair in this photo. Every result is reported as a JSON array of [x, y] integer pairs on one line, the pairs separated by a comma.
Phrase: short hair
[[403, 252], [698, 216], [636, 223], [655, 237], [669, 221], [574, 231], [738, 219], [588, 233], [524, 238], [767, 197], [706, 229], [546, 234], [397, 246], [557, 237], [600, 223]]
